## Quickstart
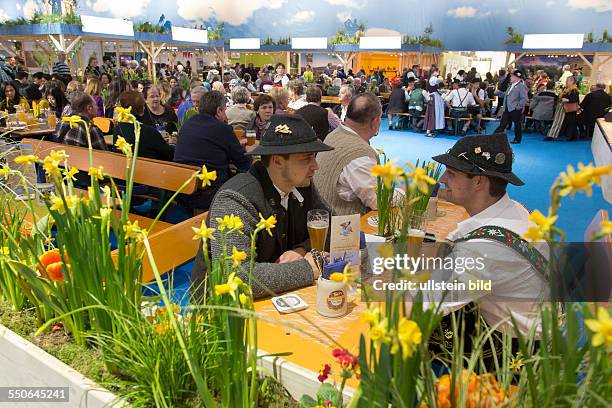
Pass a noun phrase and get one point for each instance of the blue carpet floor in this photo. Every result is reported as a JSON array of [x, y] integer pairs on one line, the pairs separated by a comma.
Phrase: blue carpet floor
[[536, 162]]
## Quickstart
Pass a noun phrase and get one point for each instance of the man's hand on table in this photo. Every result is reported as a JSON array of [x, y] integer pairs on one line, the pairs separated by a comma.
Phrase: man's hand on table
[[290, 256]]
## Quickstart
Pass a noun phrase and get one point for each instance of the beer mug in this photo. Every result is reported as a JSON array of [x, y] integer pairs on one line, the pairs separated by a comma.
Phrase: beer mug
[[251, 137], [318, 223]]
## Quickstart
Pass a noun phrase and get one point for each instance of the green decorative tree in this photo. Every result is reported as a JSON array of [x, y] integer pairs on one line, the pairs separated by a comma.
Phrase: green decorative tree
[[514, 37]]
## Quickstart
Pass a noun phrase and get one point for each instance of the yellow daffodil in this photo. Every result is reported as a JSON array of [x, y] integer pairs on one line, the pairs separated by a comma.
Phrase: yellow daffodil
[[105, 212], [345, 276], [26, 159], [203, 232], [57, 204], [379, 333], [409, 335], [123, 145], [70, 173], [516, 364], [420, 179], [230, 222], [133, 231], [124, 114], [266, 224], [431, 166], [207, 176], [540, 220], [51, 166], [58, 155], [371, 315], [593, 174], [388, 172], [97, 172], [5, 171], [606, 227], [73, 120], [572, 182], [541, 230], [244, 299], [230, 287], [601, 328], [380, 151], [238, 256]]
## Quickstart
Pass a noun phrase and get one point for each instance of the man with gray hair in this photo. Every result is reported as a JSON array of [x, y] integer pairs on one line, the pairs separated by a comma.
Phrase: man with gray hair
[[345, 95], [238, 115], [344, 178], [192, 101]]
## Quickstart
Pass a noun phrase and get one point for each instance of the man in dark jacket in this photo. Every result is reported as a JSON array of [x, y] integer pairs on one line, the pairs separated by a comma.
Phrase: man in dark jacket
[[594, 105], [207, 140], [279, 185], [7, 69], [319, 118]]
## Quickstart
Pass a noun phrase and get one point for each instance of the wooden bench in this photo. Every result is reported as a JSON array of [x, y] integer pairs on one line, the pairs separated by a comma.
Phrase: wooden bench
[[171, 245], [155, 173]]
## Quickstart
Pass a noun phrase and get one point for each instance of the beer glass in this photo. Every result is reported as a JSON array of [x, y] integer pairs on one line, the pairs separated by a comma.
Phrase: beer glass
[[417, 225], [318, 224], [251, 137]]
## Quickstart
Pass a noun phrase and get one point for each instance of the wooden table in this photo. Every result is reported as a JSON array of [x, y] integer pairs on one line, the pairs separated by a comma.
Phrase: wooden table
[[331, 100], [32, 133], [294, 333]]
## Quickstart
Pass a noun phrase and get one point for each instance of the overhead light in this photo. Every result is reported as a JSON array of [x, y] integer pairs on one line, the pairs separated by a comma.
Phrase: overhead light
[[553, 41]]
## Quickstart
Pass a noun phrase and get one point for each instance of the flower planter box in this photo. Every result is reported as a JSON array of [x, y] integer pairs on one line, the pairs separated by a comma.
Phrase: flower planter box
[[296, 379], [25, 365]]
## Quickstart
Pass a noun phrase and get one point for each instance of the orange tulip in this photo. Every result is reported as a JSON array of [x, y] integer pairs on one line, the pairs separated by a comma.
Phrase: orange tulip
[[52, 262]]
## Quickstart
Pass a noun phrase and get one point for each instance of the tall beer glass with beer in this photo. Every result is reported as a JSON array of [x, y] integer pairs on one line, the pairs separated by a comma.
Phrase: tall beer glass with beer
[[318, 224], [416, 234]]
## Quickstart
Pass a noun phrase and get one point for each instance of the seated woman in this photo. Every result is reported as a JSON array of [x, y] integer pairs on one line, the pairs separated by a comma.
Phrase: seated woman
[[238, 115], [281, 97], [157, 115], [57, 101], [152, 145], [93, 88], [11, 98], [264, 109]]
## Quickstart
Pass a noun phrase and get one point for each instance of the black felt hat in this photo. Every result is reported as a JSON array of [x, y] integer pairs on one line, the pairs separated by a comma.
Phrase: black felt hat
[[518, 74], [483, 155], [287, 134]]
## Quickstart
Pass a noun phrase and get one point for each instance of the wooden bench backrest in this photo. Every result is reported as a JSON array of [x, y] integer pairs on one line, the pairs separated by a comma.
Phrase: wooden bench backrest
[[155, 173]]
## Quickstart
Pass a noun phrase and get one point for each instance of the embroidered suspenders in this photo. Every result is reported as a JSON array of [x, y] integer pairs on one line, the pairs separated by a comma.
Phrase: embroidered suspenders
[[512, 240]]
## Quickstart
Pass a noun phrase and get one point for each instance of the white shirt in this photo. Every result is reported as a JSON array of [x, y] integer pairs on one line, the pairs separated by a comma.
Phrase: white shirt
[[343, 114], [285, 196], [300, 103], [460, 98], [517, 287], [356, 181]]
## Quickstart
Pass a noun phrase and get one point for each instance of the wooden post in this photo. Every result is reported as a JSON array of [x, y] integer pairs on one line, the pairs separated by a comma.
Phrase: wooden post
[[288, 62], [117, 56]]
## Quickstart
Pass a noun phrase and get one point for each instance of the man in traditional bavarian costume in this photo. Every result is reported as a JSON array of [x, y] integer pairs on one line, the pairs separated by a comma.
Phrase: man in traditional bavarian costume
[[478, 169], [280, 185]]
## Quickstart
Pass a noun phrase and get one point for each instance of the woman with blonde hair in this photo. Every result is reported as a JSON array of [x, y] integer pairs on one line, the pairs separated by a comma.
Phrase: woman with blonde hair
[[218, 86], [93, 88], [281, 97], [165, 92]]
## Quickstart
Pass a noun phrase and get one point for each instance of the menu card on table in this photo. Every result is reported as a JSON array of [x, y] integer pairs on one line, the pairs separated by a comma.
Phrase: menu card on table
[[344, 243]]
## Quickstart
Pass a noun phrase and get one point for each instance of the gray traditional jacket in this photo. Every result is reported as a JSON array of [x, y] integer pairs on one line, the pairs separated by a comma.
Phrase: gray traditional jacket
[[247, 195]]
